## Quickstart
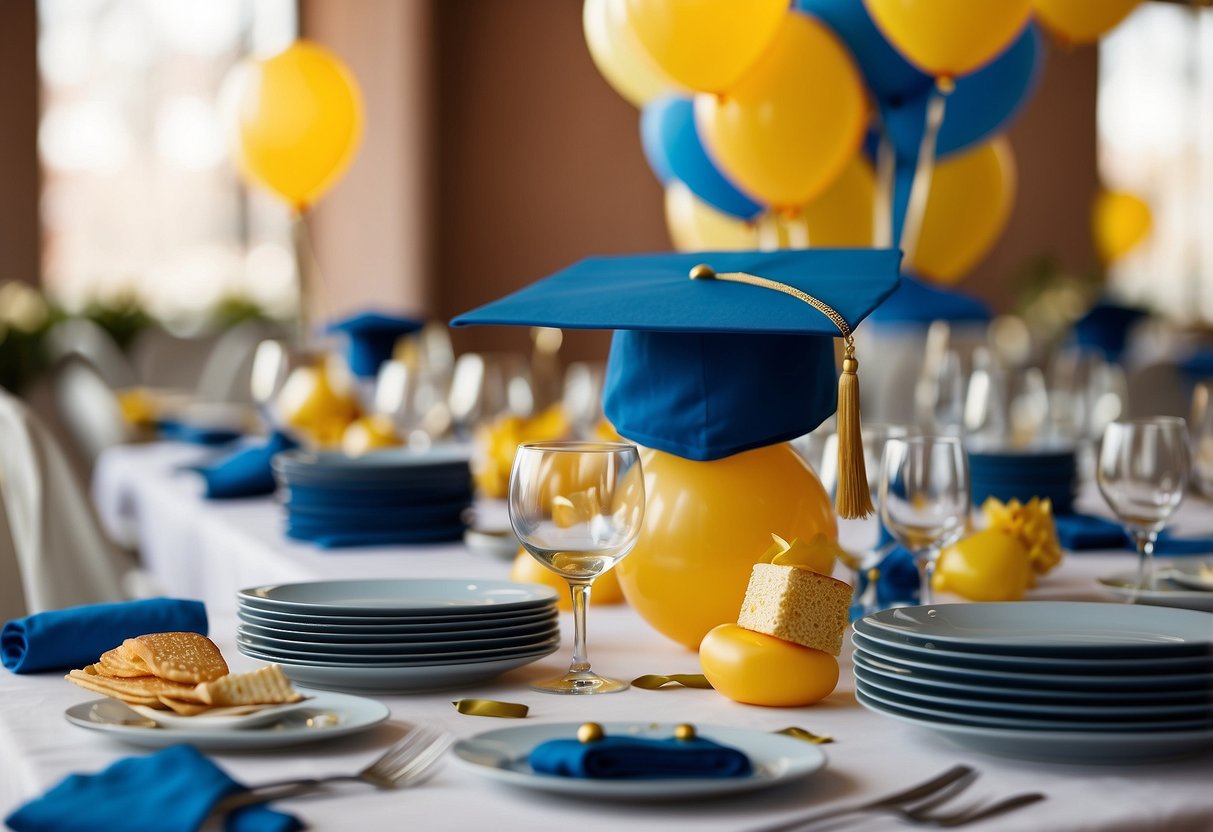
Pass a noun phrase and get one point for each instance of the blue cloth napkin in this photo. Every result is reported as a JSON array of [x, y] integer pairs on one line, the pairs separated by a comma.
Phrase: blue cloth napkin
[[174, 431], [1084, 532], [636, 758], [74, 637], [247, 472], [897, 582], [170, 791]]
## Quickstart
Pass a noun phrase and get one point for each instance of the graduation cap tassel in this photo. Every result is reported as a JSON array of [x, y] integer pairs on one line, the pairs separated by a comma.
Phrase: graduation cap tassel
[[853, 498]]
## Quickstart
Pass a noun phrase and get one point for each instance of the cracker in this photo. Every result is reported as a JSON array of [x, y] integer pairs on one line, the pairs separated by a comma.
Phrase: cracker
[[187, 658], [266, 686], [80, 679], [144, 687], [118, 663], [183, 708]]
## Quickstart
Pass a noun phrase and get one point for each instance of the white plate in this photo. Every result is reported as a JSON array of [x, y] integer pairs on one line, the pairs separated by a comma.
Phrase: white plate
[[991, 691], [402, 659], [1169, 592], [391, 625], [501, 755], [436, 634], [502, 545], [1196, 575], [1075, 747], [1046, 628], [398, 597], [960, 702], [954, 714], [1048, 680], [385, 680], [238, 717], [348, 715], [953, 658]]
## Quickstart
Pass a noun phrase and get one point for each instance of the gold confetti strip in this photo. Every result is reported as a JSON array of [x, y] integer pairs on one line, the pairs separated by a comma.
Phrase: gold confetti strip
[[808, 736], [653, 681], [491, 707]]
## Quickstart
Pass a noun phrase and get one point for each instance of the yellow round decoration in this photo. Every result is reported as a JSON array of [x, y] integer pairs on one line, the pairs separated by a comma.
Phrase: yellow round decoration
[[1119, 222], [705, 45], [971, 197], [618, 54], [590, 732], [309, 403], [785, 131], [527, 570], [991, 565], [947, 38], [841, 217], [369, 433], [1082, 21], [297, 121], [706, 524], [758, 669]]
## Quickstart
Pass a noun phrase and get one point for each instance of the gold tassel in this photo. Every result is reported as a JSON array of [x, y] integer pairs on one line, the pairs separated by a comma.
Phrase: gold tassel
[[854, 498]]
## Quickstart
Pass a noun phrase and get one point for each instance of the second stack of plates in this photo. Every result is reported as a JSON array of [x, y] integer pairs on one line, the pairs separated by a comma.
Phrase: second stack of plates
[[397, 636], [396, 496], [1022, 475], [1059, 681]]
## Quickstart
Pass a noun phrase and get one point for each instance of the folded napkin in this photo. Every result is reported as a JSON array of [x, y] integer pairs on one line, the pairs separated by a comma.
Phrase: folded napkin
[[170, 791], [174, 431], [635, 758], [1084, 532], [74, 637], [247, 472], [897, 581]]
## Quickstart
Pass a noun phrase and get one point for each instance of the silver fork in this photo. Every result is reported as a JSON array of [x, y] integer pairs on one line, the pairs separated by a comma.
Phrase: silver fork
[[406, 763], [946, 785], [923, 816]]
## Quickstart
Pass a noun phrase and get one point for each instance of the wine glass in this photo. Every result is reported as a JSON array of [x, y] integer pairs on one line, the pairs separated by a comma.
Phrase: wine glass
[[577, 507], [1142, 472], [924, 498]]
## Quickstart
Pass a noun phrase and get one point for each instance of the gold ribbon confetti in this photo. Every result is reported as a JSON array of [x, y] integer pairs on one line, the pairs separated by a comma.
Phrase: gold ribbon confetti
[[653, 681], [491, 707], [808, 736]]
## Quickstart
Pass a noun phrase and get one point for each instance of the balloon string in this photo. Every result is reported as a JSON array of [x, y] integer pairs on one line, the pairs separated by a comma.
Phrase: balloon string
[[920, 190], [310, 276], [882, 206], [798, 231], [768, 232]]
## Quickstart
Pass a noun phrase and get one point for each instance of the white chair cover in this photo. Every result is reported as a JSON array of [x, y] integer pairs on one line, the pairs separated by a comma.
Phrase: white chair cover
[[61, 554], [88, 408]]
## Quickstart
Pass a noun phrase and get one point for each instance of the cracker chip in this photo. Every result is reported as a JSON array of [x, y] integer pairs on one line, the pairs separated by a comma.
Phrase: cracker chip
[[144, 687], [180, 657], [183, 708], [266, 686]]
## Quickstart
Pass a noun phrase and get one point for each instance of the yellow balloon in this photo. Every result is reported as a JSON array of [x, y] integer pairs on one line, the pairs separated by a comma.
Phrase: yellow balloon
[[971, 197], [297, 121], [758, 669], [706, 524], [787, 129], [951, 37], [990, 565], [618, 54], [1082, 21], [1119, 222], [841, 217], [705, 45]]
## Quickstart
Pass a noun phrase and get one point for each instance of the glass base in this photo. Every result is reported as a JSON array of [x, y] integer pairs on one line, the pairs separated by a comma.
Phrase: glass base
[[580, 683]]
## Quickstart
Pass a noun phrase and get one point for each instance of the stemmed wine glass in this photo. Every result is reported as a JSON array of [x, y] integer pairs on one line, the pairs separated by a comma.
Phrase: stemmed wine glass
[[577, 507], [1202, 439], [924, 498], [1142, 472]]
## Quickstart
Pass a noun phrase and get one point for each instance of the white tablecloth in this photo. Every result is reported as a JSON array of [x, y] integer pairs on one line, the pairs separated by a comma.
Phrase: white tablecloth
[[208, 549]]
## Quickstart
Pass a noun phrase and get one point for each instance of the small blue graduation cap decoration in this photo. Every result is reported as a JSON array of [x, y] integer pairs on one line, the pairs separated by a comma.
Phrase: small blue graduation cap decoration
[[917, 303], [370, 339], [1106, 327], [719, 352]]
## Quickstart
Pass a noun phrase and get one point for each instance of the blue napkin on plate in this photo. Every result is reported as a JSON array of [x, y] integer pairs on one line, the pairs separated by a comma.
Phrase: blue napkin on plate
[[1084, 532], [76, 636], [175, 431], [170, 791], [247, 472], [636, 758]]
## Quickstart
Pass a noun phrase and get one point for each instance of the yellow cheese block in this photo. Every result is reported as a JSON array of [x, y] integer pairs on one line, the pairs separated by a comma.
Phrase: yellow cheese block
[[797, 605]]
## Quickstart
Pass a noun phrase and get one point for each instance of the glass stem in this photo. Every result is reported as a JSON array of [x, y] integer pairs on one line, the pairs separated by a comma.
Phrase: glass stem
[[581, 600], [1145, 560], [926, 572]]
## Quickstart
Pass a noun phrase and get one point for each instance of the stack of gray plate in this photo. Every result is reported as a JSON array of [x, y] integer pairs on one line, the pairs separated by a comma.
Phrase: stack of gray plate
[[396, 636], [1069, 682]]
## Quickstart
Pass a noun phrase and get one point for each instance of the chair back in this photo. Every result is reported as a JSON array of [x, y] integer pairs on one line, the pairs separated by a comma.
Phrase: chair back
[[88, 408], [62, 556]]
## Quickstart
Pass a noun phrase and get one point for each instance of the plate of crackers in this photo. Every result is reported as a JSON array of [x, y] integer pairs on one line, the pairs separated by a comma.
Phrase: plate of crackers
[[166, 688]]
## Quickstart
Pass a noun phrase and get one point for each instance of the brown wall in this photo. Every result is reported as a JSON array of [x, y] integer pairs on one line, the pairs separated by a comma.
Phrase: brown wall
[[20, 232]]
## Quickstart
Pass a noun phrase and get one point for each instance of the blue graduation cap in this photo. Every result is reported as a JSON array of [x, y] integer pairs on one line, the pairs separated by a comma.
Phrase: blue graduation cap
[[370, 339], [919, 303], [1105, 328], [714, 353]]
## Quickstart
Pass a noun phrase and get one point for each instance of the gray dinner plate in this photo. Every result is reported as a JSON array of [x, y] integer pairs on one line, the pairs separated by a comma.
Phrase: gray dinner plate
[[403, 659], [1044, 629], [398, 597], [1071, 747], [424, 625], [1167, 592], [417, 637], [395, 648]]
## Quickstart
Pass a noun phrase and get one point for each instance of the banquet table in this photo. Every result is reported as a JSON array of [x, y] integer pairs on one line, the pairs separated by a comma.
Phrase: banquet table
[[208, 550]]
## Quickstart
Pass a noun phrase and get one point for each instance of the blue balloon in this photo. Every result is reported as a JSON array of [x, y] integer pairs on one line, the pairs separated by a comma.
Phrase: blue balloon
[[981, 105], [890, 77], [672, 146]]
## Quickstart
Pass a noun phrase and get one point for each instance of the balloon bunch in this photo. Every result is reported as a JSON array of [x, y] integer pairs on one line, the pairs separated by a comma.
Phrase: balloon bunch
[[835, 122]]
